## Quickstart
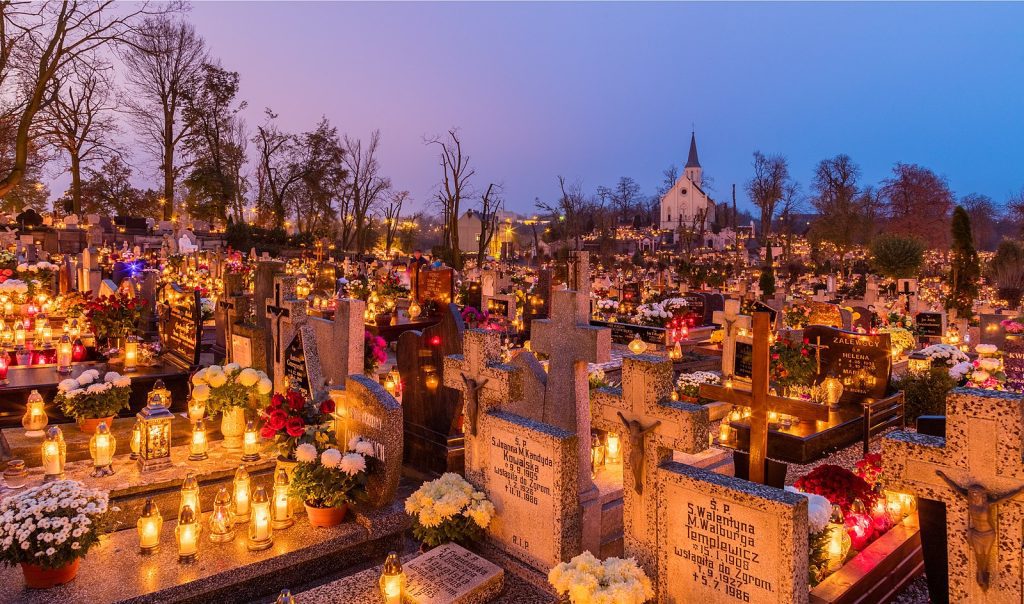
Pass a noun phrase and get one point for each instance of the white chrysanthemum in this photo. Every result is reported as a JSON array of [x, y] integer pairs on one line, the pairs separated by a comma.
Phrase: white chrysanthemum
[[364, 448], [264, 386], [331, 458], [216, 378], [979, 376], [306, 453], [248, 377], [960, 370], [123, 382], [199, 377], [989, 364], [231, 368], [986, 348], [111, 376], [96, 388], [352, 463], [201, 392], [68, 384]]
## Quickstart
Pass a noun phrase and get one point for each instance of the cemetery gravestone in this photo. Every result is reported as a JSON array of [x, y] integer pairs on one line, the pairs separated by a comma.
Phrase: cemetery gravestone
[[341, 340], [931, 325], [181, 326], [1013, 362], [365, 409], [976, 470], [451, 574], [991, 330], [862, 362], [824, 313], [730, 541], [436, 286]]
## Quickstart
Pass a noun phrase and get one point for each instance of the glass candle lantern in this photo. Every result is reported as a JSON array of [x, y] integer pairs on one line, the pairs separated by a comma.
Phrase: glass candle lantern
[[34, 420], [285, 597], [415, 310], [131, 353], [101, 448], [261, 533], [64, 352], [19, 333], [612, 448], [54, 452], [251, 442], [196, 409], [149, 525], [676, 352], [136, 441], [637, 346], [190, 494], [431, 380], [724, 432], [74, 330], [199, 444], [833, 391], [392, 580], [597, 453], [155, 443], [4, 366], [222, 521], [242, 489], [187, 533], [282, 504]]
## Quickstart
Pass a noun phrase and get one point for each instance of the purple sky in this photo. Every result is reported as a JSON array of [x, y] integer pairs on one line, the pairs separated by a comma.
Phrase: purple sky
[[598, 91]]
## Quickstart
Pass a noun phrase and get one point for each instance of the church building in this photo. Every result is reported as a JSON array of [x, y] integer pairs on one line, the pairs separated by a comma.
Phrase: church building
[[686, 200]]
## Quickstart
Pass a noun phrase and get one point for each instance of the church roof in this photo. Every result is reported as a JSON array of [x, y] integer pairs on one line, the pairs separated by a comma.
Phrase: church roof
[[691, 160]]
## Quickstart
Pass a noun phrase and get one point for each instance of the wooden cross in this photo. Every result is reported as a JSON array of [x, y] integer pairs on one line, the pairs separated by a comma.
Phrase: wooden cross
[[760, 401], [645, 398], [485, 382], [570, 342], [981, 460]]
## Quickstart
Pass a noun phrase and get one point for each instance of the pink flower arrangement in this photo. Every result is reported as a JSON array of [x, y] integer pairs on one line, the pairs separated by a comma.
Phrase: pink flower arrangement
[[374, 352], [1012, 326]]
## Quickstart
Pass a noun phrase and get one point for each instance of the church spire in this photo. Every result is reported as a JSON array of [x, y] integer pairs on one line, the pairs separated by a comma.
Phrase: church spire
[[691, 160]]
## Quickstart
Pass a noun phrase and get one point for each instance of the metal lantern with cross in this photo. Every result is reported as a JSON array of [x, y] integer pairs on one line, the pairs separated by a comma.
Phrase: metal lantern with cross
[[155, 443]]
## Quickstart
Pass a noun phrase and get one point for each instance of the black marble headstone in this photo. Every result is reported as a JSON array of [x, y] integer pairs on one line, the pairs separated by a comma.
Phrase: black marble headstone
[[862, 362]]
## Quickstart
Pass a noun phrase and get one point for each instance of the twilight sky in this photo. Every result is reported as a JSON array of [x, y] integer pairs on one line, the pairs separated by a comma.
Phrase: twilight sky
[[597, 91]]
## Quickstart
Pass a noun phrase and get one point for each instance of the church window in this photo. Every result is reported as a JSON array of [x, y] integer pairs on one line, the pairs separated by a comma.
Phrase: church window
[[669, 219], [683, 190]]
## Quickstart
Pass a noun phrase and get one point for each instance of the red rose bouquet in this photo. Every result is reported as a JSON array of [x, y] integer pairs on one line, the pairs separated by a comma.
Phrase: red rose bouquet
[[870, 469], [839, 485], [291, 419], [117, 315]]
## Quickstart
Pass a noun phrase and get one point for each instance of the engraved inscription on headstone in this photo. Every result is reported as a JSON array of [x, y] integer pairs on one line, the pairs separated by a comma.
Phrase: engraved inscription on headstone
[[862, 362], [295, 365], [241, 350], [451, 574], [1013, 363]]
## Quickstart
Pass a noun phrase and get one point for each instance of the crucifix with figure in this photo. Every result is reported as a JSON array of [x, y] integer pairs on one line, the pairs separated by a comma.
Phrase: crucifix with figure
[[976, 470], [277, 311], [653, 427], [760, 400]]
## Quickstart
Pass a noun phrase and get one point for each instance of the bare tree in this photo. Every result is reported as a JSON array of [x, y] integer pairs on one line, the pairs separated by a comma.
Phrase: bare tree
[[790, 205], [568, 212], [670, 176], [279, 170], [918, 203], [79, 120], [164, 60], [766, 188], [490, 206], [454, 187], [40, 40], [366, 185], [392, 212]]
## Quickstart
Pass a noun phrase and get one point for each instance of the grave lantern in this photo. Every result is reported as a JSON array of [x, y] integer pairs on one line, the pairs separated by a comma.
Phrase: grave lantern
[[200, 444], [597, 453], [637, 346], [222, 521], [187, 534], [261, 534], [285, 597], [918, 362], [676, 352], [190, 494], [136, 441], [19, 333], [34, 420], [612, 448], [64, 354], [131, 353], [101, 448], [431, 380], [251, 444], [149, 525], [392, 580], [53, 454], [242, 493], [155, 434], [833, 391], [415, 310], [282, 511], [4, 366]]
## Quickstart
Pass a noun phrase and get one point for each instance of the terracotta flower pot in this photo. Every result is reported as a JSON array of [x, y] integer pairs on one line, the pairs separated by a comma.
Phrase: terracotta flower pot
[[89, 424], [325, 517], [37, 577]]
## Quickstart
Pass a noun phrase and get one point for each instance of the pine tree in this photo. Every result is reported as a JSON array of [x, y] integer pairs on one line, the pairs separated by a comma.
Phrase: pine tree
[[964, 269], [767, 281]]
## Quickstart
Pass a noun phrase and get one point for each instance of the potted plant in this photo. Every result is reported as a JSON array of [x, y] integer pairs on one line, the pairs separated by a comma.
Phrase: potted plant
[[230, 390], [90, 400], [114, 317], [448, 509], [48, 529], [585, 579], [688, 385], [290, 419], [328, 482]]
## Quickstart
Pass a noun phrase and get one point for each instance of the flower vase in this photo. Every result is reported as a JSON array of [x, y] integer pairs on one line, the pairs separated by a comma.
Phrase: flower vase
[[88, 425], [326, 517], [38, 577], [232, 426]]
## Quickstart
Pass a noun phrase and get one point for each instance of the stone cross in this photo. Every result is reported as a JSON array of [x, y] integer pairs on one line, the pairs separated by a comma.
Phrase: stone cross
[[760, 401], [977, 471], [341, 340], [579, 272], [571, 344], [652, 427], [820, 296], [732, 323], [485, 383], [277, 310]]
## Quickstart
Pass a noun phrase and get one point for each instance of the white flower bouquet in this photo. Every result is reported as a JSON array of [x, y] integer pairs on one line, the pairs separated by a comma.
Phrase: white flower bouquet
[[448, 509], [51, 525], [329, 478], [15, 289], [588, 580], [89, 397], [689, 384], [230, 386], [607, 305], [653, 314], [944, 354]]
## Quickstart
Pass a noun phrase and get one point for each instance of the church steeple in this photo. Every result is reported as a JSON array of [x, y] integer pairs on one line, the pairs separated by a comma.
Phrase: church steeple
[[692, 169], [691, 160]]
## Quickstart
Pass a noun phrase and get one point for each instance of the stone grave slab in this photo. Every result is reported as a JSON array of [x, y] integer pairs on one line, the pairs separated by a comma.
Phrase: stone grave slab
[[1013, 362], [451, 574], [365, 409], [729, 540]]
